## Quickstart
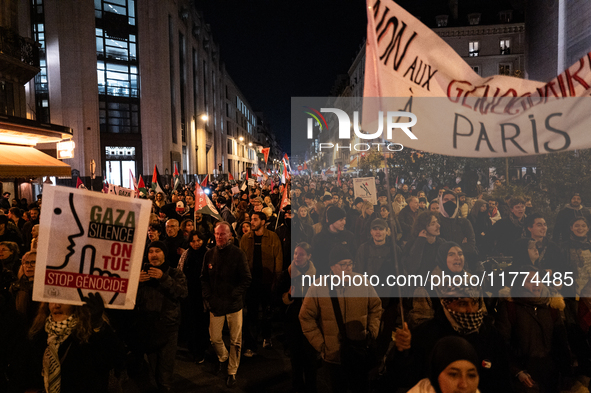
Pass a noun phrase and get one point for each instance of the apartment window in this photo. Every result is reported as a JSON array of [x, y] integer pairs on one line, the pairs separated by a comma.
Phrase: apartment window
[[441, 20], [473, 48], [117, 66], [41, 83], [505, 16], [474, 19], [505, 46], [476, 69], [505, 69], [229, 146]]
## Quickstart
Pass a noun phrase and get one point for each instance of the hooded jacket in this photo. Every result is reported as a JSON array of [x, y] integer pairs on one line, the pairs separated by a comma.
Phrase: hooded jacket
[[271, 254]]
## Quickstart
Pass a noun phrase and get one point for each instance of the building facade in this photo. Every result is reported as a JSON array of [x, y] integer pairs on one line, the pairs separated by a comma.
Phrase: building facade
[[141, 83]]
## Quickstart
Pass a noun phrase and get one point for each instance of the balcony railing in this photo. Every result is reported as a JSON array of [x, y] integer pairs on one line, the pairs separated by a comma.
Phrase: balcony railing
[[20, 48]]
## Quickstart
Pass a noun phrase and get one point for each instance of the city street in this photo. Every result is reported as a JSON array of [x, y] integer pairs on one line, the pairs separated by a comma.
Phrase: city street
[[269, 371]]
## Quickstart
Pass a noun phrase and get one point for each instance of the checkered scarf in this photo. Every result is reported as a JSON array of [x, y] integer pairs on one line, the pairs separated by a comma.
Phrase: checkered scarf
[[468, 322], [57, 333]]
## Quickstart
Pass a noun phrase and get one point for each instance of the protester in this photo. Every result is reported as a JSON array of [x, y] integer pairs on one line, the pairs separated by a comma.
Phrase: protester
[[225, 278], [453, 368], [73, 348], [361, 311], [293, 290]]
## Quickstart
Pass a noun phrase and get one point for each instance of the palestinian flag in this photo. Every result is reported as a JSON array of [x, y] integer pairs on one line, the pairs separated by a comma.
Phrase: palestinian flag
[[80, 185], [284, 199], [155, 185], [231, 178], [203, 204], [176, 177], [204, 182], [143, 192]]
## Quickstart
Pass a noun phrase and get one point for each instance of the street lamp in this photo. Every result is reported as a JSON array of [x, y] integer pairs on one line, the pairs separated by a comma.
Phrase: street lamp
[[241, 139], [204, 117], [249, 143]]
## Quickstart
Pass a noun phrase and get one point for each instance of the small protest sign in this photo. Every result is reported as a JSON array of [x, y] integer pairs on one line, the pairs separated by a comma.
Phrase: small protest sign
[[365, 188]]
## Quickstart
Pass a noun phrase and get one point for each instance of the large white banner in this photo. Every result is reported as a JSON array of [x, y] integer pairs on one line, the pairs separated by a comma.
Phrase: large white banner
[[90, 242], [497, 116]]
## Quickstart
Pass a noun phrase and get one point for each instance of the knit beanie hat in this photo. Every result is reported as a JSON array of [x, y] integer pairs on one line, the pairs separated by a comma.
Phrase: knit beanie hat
[[446, 351], [159, 244], [334, 213], [339, 253]]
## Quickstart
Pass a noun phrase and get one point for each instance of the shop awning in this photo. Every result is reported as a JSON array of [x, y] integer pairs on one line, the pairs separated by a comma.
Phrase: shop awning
[[28, 162]]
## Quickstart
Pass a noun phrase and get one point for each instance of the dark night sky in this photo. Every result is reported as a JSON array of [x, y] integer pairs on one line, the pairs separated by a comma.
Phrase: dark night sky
[[278, 49]]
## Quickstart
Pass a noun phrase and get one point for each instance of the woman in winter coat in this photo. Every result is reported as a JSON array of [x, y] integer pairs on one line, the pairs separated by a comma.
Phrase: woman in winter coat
[[304, 360], [22, 289], [194, 318], [530, 322], [74, 348]]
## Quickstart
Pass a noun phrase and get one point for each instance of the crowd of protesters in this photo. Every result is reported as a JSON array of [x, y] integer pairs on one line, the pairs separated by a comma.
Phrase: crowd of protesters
[[246, 270]]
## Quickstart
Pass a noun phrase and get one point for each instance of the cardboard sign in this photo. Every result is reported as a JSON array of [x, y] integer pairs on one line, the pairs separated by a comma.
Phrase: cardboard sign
[[251, 182], [90, 242], [235, 190], [365, 188]]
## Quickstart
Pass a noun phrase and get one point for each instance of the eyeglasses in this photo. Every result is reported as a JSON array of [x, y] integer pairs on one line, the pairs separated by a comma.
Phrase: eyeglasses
[[29, 263]]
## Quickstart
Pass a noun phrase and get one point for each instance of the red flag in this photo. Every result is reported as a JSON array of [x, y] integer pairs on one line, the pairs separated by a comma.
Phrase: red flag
[[284, 200], [339, 176], [265, 152], [155, 186], [79, 184], [247, 175], [230, 177], [204, 182], [305, 166], [105, 187]]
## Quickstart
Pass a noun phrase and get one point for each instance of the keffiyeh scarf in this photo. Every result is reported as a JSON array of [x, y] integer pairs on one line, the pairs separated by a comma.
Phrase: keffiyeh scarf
[[57, 333]]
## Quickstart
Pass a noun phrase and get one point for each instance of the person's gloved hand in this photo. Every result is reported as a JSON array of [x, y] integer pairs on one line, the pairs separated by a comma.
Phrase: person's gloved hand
[[96, 306]]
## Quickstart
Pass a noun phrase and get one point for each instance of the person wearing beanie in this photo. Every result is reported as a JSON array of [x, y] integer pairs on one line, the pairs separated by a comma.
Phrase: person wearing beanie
[[564, 217], [354, 214], [332, 233], [456, 229], [360, 308], [158, 314], [453, 368]]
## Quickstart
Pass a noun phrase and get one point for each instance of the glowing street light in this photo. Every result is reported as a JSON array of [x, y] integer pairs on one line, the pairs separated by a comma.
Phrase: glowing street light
[[241, 139], [204, 117]]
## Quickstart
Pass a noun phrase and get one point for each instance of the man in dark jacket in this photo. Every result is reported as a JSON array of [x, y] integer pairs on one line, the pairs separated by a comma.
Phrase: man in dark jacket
[[407, 217], [225, 278], [175, 242], [265, 259], [159, 293], [332, 233]]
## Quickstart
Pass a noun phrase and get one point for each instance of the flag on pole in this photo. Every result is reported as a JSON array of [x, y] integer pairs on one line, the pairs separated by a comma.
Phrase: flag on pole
[[141, 186], [203, 204], [204, 182], [266, 153], [132, 177], [284, 199], [339, 176], [105, 187], [80, 185], [263, 174], [286, 158], [286, 173], [231, 178], [305, 166], [176, 177], [155, 185]]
